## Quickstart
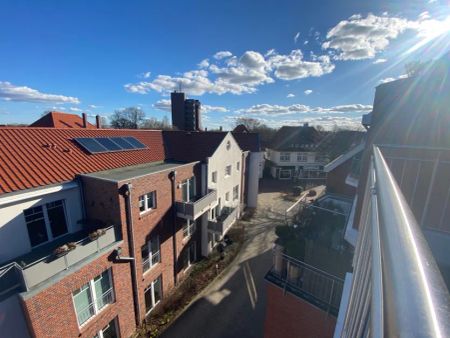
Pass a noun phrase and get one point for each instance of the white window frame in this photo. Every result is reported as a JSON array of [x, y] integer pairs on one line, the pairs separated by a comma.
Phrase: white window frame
[[48, 228], [151, 286], [214, 177], [94, 300], [301, 157], [228, 169], [188, 228], [116, 328], [151, 254], [191, 246], [238, 166], [236, 192], [285, 157], [143, 199]]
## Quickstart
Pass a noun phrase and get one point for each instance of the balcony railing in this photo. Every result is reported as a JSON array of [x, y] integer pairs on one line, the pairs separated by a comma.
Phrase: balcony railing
[[44, 265], [303, 280], [194, 209], [224, 221], [95, 307], [397, 289]]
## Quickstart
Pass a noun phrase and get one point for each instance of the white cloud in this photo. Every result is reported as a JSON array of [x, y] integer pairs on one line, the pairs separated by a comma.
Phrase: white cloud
[[296, 37], [390, 79], [306, 42], [165, 105], [10, 92], [290, 95], [362, 38], [75, 109], [204, 63], [237, 75], [293, 66], [145, 75], [222, 55], [93, 106], [269, 109], [308, 91], [379, 61]]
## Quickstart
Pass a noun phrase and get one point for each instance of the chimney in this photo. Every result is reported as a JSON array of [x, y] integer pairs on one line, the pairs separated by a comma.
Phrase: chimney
[[206, 129], [306, 124], [220, 128], [84, 120], [97, 121]]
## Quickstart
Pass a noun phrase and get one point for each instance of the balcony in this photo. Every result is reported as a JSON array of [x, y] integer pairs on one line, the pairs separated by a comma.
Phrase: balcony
[[41, 264], [397, 289], [194, 209], [224, 221], [307, 282]]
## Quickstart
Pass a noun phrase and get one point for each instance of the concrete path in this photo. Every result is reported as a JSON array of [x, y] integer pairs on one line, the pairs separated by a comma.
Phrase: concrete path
[[234, 305]]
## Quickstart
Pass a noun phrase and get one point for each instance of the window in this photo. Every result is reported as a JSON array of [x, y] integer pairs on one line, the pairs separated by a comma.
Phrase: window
[[46, 222], [188, 228], [214, 177], [227, 196], [238, 165], [150, 253], [109, 331], [212, 214], [190, 256], [235, 193], [147, 202], [153, 294], [227, 170], [302, 157], [93, 296], [285, 174], [285, 157], [188, 189]]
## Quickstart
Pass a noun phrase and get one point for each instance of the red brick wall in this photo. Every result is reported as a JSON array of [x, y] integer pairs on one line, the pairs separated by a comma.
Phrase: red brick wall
[[51, 313], [336, 180], [289, 316], [159, 221]]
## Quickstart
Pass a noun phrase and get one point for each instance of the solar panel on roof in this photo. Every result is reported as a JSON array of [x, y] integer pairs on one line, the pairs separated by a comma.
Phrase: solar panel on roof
[[108, 143], [135, 143], [122, 142], [91, 145]]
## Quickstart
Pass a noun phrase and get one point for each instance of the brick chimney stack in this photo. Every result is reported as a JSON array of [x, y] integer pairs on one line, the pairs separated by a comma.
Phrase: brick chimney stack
[[97, 121], [84, 120]]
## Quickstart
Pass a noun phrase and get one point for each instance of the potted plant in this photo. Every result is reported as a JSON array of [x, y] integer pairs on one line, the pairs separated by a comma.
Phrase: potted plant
[[96, 234], [64, 249]]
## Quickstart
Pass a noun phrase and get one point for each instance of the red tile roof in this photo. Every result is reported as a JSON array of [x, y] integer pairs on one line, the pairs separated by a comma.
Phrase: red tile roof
[[34, 157], [56, 119]]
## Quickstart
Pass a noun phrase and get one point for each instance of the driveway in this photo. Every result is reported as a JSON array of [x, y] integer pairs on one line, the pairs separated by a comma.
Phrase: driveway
[[234, 305]]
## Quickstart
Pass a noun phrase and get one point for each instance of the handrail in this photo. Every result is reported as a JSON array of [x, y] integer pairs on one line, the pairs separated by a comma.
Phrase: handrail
[[415, 298], [210, 191]]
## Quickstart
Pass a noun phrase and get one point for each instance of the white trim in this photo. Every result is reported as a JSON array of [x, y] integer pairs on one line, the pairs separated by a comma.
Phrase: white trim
[[151, 287], [27, 194], [344, 157]]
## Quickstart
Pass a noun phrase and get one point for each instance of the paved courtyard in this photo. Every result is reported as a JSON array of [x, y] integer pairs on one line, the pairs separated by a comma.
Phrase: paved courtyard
[[234, 305]]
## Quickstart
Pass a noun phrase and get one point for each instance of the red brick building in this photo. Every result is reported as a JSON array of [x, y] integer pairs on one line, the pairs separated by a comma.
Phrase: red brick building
[[98, 226]]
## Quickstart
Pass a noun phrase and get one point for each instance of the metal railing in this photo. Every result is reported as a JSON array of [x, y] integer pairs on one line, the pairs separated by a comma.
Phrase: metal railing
[[48, 265], [312, 284], [95, 307], [224, 221], [397, 289]]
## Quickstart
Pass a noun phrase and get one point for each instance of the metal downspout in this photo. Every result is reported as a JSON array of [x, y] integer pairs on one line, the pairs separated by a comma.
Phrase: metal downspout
[[126, 193], [173, 176]]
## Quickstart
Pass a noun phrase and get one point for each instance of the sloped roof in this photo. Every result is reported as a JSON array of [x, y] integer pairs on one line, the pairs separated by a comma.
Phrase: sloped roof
[[191, 146], [247, 141], [344, 158], [34, 157], [294, 138], [240, 129], [56, 119]]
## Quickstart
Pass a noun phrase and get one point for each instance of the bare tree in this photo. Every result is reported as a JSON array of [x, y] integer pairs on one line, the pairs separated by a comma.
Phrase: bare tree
[[265, 132], [128, 118], [154, 123]]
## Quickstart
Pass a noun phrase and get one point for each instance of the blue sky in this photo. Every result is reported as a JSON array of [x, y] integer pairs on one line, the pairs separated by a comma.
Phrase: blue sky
[[284, 62]]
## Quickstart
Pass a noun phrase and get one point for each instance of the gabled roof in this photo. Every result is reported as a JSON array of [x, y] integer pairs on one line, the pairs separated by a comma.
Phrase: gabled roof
[[34, 157], [240, 129], [191, 146], [56, 119], [290, 138], [247, 141], [344, 158]]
